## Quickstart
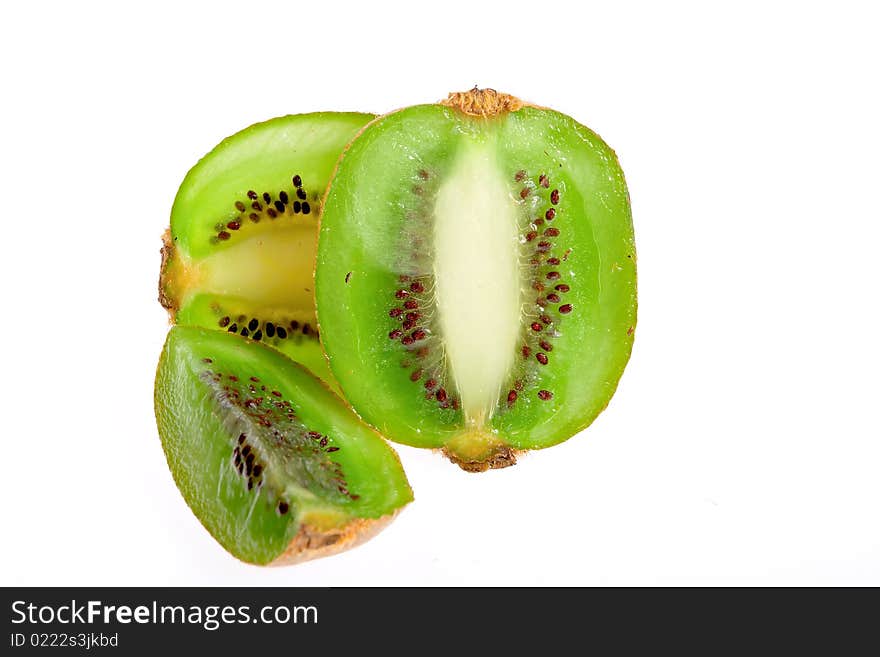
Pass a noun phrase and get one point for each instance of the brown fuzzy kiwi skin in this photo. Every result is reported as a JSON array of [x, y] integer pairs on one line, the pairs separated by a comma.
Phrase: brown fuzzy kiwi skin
[[312, 543]]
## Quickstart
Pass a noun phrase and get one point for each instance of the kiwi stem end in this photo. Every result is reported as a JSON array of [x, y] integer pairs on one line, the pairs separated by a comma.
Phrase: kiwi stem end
[[168, 273], [477, 451], [482, 102]]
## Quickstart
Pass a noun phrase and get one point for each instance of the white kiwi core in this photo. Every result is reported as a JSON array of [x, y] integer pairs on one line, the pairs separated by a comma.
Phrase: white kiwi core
[[477, 277]]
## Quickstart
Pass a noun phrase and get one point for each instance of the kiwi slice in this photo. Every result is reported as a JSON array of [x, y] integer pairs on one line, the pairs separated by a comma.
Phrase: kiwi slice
[[239, 255], [476, 276], [276, 467]]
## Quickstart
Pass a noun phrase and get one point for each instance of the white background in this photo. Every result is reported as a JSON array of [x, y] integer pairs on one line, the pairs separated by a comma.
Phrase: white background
[[742, 445]]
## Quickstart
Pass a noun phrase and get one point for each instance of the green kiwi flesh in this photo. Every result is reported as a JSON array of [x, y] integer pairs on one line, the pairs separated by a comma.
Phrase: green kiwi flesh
[[274, 465], [239, 255], [476, 277]]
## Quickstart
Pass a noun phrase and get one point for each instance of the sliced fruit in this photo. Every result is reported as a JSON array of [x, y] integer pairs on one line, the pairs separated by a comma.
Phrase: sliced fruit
[[476, 276], [274, 465], [240, 253]]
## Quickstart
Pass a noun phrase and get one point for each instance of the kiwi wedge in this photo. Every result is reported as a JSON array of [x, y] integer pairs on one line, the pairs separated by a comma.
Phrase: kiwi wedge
[[240, 253], [476, 276], [275, 466]]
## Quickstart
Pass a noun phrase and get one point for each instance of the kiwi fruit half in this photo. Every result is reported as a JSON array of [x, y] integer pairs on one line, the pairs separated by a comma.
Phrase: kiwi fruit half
[[240, 253], [476, 276], [274, 465]]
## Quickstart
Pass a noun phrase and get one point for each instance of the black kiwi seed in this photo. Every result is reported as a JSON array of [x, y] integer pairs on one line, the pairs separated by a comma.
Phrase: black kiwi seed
[[306, 208], [258, 336], [245, 332], [266, 197], [297, 181], [252, 195], [297, 206], [282, 195], [279, 206], [253, 324], [224, 322], [282, 333], [301, 194], [232, 329], [270, 330], [283, 507]]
